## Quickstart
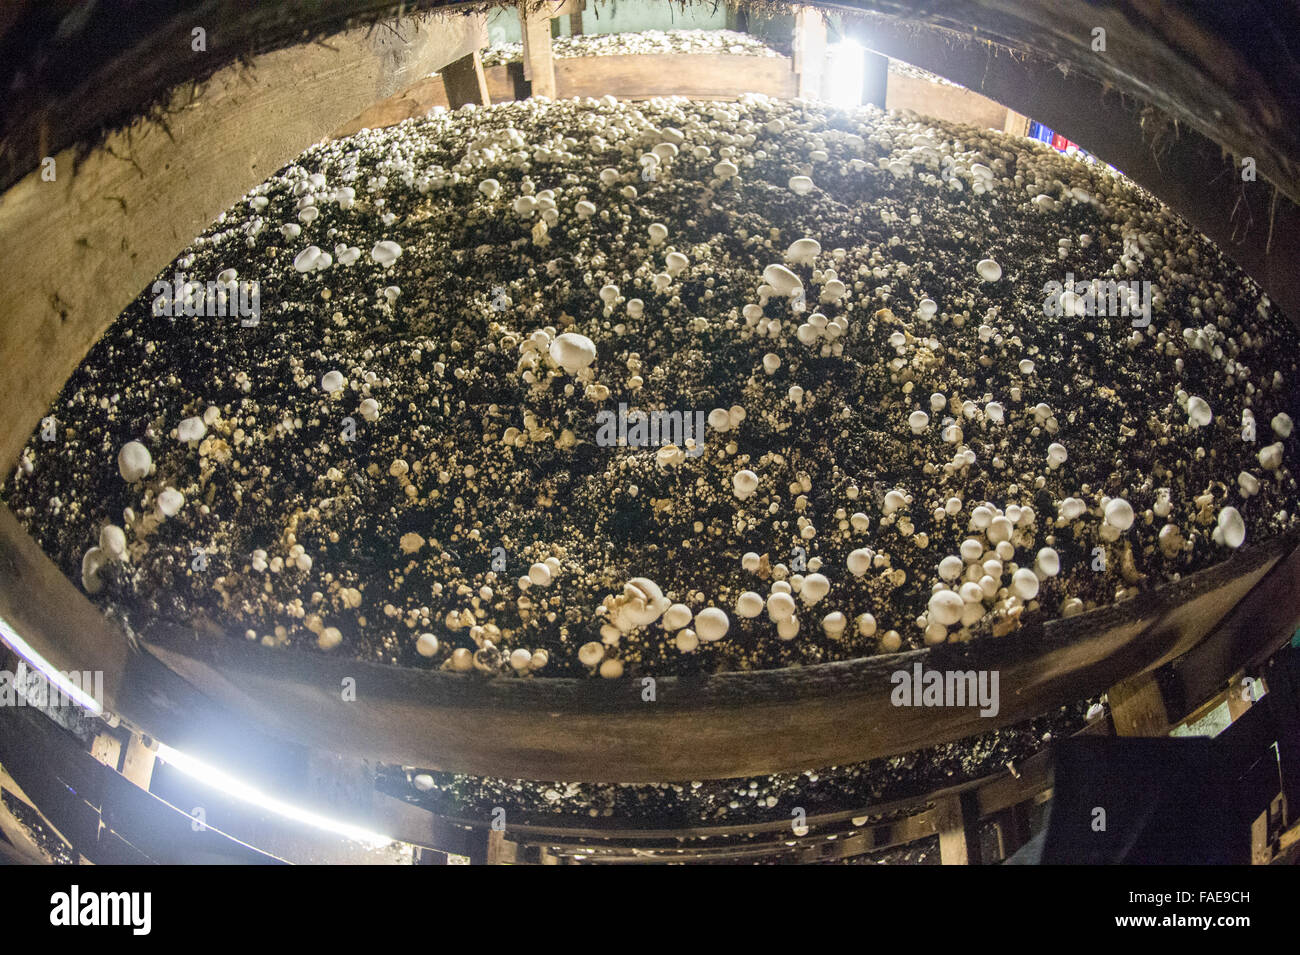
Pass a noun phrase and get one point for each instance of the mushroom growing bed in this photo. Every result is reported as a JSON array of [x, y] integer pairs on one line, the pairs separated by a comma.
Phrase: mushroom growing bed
[[640, 43], [874, 421]]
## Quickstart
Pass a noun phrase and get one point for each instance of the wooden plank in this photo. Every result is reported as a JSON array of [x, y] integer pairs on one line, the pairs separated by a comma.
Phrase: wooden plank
[[79, 249], [951, 103], [626, 77], [464, 82], [698, 76], [1137, 707]]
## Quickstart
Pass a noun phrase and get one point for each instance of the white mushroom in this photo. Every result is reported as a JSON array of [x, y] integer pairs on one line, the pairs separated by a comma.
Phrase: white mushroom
[[1231, 529], [1024, 584], [191, 429], [386, 252], [1119, 514], [803, 251], [1198, 412], [834, 624], [780, 606], [572, 352], [1048, 562], [92, 561], [170, 501], [744, 484], [134, 461], [112, 542], [676, 617], [711, 624], [1271, 456], [815, 587], [859, 561], [989, 270], [783, 281], [801, 185], [945, 607], [749, 604]]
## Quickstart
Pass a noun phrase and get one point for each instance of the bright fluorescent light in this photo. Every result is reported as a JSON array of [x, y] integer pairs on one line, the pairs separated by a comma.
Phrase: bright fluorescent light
[[190, 766], [210, 776], [845, 73], [69, 689]]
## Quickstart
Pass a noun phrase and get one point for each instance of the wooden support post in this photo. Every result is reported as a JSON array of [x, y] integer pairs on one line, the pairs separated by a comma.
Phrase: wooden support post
[[107, 748], [1016, 124], [1013, 829], [500, 850], [875, 79], [1137, 707], [954, 848], [539, 66], [809, 51], [573, 10], [465, 82], [138, 765]]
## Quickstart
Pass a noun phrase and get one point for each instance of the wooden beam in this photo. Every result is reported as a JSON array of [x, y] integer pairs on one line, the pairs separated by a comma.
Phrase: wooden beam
[[809, 51], [139, 762], [78, 249], [465, 82], [575, 16], [954, 849], [1137, 707], [500, 850], [539, 65]]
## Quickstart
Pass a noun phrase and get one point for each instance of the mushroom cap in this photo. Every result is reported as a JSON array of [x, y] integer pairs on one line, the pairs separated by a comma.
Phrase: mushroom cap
[[573, 352], [803, 251], [801, 185], [711, 624], [134, 461]]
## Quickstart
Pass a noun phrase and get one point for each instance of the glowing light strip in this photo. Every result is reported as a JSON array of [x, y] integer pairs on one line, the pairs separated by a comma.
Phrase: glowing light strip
[[69, 689], [190, 766], [219, 780]]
